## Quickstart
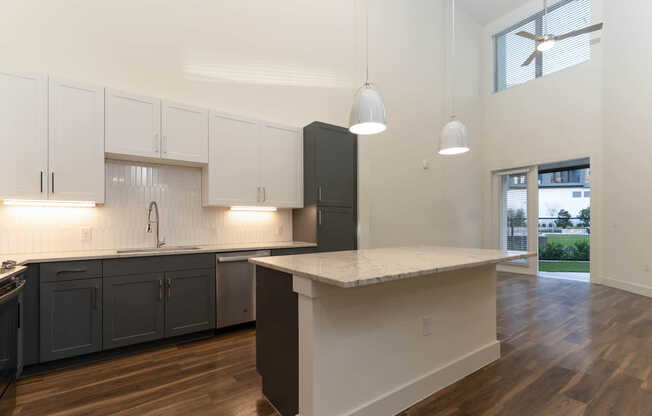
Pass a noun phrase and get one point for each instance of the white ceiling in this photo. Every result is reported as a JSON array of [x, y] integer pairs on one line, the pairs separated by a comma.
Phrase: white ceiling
[[484, 11]]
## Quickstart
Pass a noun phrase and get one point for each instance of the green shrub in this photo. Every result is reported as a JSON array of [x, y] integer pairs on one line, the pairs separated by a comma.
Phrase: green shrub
[[552, 251], [578, 251]]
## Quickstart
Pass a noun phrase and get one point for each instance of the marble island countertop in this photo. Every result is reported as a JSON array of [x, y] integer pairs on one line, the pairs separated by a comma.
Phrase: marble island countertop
[[365, 267], [23, 259]]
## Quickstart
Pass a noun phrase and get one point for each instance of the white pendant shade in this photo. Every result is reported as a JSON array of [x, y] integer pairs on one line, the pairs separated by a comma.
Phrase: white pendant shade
[[453, 139], [368, 114]]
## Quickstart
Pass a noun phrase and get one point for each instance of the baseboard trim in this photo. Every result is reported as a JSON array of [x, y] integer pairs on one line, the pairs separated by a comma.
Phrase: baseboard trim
[[408, 394], [626, 286]]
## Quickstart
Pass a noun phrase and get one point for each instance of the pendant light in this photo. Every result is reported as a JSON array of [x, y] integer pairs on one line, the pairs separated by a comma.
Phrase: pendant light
[[368, 114], [453, 139]]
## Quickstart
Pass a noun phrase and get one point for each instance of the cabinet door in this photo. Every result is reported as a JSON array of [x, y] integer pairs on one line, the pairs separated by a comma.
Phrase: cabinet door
[[235, 293], [190, 302], [23, 135], [76, 141], [281, 166], [335, 167], [233, 173], [133, 124], [133, 309], [336, 229], [70, 318], [30, 321], [185, 133], [9, 362]]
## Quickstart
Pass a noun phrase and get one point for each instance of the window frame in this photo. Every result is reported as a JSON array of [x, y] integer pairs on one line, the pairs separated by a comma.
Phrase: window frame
[[537, 18]]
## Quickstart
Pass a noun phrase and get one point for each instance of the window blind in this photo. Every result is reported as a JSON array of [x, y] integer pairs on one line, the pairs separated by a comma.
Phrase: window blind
[[512, 50], [513, 212]]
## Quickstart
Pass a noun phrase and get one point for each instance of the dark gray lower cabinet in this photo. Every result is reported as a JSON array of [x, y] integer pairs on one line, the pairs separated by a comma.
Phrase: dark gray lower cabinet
[[277, 339], [190, 301], [134, 309], [31, 317], [71, 314], [336, 229]]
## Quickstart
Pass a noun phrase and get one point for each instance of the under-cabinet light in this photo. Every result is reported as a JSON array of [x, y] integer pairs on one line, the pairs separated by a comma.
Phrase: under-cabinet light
[[35, 203], [260, 209]]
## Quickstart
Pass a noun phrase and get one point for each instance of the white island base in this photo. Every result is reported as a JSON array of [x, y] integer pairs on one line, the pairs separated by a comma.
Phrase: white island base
[[378, 330], [376, 350]]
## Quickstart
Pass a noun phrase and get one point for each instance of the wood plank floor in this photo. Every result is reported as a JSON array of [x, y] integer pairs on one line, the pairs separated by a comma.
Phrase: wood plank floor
[[568, 348]]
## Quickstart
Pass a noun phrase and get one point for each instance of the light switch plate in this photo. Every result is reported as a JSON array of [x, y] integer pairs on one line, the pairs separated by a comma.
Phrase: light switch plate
[[426, 325], [86, 234]]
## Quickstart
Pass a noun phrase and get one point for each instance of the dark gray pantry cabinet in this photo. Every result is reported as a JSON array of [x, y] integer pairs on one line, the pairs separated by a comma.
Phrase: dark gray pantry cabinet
[[94, 305], [330, 214]]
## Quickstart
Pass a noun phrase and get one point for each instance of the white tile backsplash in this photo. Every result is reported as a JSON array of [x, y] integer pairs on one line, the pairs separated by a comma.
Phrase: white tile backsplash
[[121, 222]]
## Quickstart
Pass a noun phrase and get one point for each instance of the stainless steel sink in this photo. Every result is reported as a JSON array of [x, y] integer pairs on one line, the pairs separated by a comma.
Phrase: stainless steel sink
[[157, 250]]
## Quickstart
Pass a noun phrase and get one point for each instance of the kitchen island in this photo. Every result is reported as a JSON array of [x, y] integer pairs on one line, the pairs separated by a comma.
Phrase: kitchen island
[[371, 332]]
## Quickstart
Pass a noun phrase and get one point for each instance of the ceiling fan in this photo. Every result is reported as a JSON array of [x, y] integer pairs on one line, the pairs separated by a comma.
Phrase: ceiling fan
[[548, 41]]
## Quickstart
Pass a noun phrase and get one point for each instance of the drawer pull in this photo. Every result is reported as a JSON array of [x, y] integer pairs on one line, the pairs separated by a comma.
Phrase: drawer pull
[[71, 271]]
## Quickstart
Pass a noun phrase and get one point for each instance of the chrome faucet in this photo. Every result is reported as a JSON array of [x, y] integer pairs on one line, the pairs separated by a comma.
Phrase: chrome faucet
[[153, 206]]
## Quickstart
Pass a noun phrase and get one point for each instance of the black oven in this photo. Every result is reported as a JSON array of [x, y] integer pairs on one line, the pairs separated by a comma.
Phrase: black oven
[[10, 328]]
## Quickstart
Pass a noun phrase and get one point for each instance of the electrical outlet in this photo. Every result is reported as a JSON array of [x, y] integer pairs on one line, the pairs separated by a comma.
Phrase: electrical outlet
[[86, 234], [426, 326]]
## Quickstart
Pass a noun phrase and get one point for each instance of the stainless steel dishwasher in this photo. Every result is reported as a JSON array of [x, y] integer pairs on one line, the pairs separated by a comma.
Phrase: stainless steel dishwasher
[[235, 287]]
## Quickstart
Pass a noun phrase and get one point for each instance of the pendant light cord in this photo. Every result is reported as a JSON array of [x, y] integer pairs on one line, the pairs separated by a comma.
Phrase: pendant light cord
[[545, 17], [367, 41], [451, 65]]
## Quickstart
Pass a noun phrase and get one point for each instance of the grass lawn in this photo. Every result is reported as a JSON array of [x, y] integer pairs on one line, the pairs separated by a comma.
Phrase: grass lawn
[[564, 266], [566, 239]]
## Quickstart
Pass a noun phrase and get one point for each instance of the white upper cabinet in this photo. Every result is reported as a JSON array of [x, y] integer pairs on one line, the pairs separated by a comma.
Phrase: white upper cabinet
[[281, 155], [184, 133], [253, 163], [76, 141], [233, 174], [133, 124], [23, 135]]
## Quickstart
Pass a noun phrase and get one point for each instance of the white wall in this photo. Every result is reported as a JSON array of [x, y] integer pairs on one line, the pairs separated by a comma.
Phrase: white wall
[[627, 146], [290, 61], [598, 109]]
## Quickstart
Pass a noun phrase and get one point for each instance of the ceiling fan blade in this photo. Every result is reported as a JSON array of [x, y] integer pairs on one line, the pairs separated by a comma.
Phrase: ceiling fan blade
[[529, 60], [578, 32], [529, 35]]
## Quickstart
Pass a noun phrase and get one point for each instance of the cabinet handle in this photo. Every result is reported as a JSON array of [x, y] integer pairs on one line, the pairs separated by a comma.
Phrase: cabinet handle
[[319, 198], [264, 194], [52, 182], [319, 216], [160, 289], [41, 181], [156, 143], [169, 288], [165, 145], [70, 271]]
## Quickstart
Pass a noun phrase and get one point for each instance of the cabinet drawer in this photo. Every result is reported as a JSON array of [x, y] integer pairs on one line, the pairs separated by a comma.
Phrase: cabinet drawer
[[293, 251], [70, 270], [140, 265]]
